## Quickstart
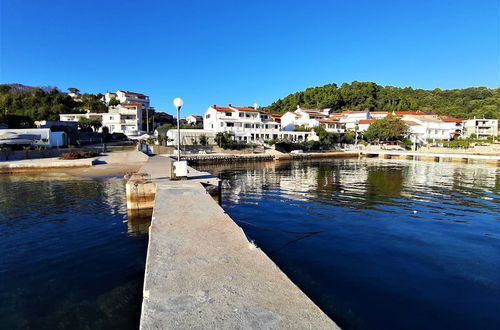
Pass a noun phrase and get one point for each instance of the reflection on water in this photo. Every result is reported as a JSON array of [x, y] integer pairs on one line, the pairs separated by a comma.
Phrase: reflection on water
[[378, 243], [69, 261], [139, 221]]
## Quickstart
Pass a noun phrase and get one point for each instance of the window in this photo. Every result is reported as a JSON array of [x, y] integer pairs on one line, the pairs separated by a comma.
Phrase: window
[[208, 116], [230, 124], [242, 114], [229, 114]]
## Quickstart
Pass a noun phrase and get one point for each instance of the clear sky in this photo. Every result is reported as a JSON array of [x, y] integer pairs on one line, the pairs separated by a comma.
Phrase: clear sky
[[220, 52]]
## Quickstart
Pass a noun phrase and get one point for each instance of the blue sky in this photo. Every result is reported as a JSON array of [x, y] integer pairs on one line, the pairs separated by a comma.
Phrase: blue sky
[[220, 52]]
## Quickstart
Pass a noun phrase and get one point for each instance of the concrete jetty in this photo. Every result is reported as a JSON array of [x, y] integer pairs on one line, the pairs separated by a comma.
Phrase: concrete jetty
[[435, 157], [33, 165], [203, 273]]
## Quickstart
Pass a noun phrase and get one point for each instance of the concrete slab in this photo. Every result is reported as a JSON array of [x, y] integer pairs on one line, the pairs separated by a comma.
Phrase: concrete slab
[[202, 273]]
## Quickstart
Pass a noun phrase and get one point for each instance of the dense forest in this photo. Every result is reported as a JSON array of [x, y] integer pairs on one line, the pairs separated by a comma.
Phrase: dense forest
[[462, 103], [27, 104]]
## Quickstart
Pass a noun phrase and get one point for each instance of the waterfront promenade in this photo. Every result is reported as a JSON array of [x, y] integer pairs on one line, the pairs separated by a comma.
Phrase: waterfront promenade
[[201, 270]]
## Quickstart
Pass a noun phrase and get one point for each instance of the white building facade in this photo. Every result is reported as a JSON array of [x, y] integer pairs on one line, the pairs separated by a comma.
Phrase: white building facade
[[310, 118], [248, 124], [194, 120], [126, 118], [482, 128]]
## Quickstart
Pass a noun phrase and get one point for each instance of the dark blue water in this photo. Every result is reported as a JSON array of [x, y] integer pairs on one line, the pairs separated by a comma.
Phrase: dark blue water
[[69, 259], [378, 244]]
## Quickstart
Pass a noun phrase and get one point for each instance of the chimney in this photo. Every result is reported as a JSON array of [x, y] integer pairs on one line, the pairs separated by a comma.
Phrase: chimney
[[230, 105]]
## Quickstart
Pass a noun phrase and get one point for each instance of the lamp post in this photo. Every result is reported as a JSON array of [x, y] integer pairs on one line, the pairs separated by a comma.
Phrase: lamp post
[[178, 104]]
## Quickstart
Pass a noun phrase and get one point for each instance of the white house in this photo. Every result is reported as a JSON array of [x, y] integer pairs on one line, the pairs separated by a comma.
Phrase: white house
[[125, 118], [351, 118], [481, 127], [194, 120], [128, 97], [248, 124], [303, 117], [428, 127], [363, 124]]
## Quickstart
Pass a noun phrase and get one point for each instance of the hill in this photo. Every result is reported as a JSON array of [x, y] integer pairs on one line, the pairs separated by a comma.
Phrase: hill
[[27, 103], [462, 103]]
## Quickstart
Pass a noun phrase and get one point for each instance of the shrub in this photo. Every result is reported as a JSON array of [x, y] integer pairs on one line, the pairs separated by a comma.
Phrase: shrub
[[78, 155]]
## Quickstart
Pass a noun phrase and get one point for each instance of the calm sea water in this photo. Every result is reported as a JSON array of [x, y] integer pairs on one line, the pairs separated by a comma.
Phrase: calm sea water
[[378, 244], [69, 259]]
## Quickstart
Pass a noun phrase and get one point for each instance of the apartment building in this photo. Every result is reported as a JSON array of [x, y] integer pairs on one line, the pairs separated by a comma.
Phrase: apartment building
[[481, 127], [248, 124], [427, 127], [127, 97], [311, 118], [126, 117]]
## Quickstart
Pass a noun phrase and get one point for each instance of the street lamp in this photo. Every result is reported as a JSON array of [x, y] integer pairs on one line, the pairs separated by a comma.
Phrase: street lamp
[[178, 104]]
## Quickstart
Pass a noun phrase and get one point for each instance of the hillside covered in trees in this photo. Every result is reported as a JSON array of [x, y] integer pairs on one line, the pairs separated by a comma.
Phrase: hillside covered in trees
[[20, 103], [462, 103]]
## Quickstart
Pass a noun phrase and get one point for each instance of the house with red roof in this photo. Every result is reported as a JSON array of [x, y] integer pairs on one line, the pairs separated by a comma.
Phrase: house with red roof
[[194, 120], [249, 123]]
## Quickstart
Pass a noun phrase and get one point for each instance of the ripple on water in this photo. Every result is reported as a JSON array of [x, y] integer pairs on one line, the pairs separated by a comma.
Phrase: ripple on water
[[378, 244]]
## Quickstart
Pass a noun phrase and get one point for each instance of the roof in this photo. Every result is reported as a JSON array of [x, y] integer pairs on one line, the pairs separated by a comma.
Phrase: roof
[[347, 112], [131, 104], [276, 115], [197, 117], [414, 113], [366, 121], [132, 93], [411, 123], [244, 108], [327, 121], [379, 112], [312, 110], [449, 119], [223, 109]]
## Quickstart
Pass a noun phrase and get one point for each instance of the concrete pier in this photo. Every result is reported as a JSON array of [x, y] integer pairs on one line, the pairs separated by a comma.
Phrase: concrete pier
[[434, 157], [203, 273]]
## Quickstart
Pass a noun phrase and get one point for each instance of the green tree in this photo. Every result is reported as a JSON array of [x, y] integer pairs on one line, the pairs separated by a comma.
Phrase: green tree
[[389, 128], [368, 96], [85, 124], [95, 123], [203, 139], [113, 101]]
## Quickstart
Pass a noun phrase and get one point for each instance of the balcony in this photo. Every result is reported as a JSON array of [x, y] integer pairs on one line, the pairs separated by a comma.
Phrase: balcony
[[250, 130], [128, 121]]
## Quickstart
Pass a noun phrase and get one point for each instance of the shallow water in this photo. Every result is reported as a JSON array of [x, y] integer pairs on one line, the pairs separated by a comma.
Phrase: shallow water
[[70, 259], [378, 244]]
